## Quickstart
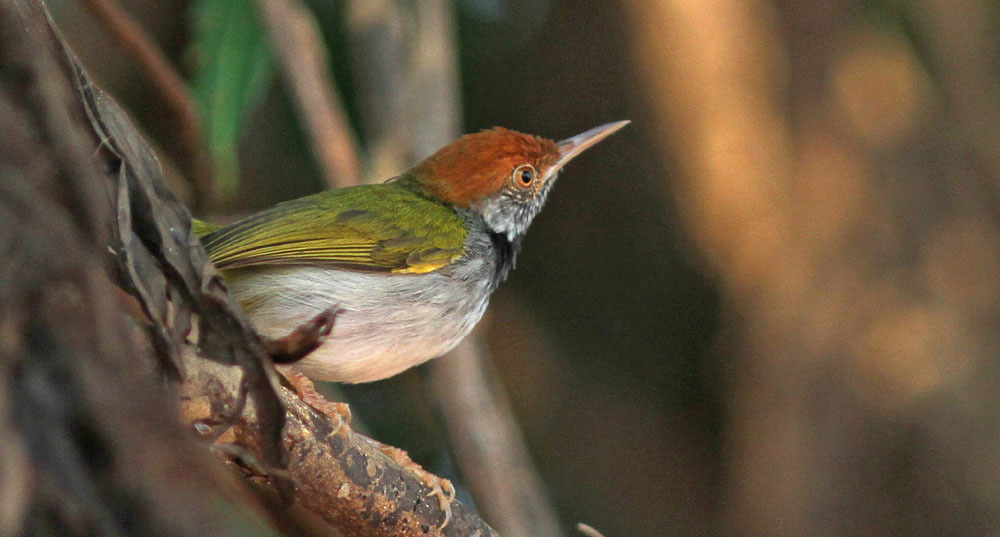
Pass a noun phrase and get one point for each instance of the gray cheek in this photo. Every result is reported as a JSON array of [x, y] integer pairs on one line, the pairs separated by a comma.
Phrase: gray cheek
[[511, 212], [505, 216]]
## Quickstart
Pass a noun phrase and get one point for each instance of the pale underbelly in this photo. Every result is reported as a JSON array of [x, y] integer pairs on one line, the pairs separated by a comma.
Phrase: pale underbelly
[[389, 322]]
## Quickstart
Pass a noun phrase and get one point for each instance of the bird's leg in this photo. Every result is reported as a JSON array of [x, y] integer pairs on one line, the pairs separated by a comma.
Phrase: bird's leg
[[441, 488], [295, 346], [339, 412], [303, 340]]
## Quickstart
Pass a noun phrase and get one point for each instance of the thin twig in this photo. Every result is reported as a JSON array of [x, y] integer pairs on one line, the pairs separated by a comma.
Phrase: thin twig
[[588, 530], [302, 56], [135, 42], [407, 70], [378, 57], [488, 444]]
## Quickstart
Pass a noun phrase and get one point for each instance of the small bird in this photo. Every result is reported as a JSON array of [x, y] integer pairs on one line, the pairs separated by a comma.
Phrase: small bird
[[410, 263]]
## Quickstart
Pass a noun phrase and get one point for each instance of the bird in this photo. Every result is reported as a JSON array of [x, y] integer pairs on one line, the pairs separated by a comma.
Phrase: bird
[[408, 264]]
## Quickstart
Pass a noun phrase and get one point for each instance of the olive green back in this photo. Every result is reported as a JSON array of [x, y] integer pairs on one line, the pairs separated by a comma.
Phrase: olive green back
[[391, 227]]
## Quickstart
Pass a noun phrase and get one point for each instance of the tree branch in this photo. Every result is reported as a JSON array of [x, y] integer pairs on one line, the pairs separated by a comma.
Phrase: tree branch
[[409, 82], [302, 56], [135, 42], [63, 329]]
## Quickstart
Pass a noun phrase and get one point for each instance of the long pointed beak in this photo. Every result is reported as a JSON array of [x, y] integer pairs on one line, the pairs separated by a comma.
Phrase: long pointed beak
[[571, 147]]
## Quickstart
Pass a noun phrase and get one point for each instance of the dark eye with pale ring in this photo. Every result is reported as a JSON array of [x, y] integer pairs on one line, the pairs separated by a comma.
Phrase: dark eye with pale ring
[[524, 175]]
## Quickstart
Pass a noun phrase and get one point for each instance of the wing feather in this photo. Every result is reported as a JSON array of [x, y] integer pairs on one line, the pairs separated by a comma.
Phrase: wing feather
[[386, 228]]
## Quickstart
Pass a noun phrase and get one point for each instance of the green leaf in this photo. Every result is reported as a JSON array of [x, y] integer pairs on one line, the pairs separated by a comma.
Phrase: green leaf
[[233, 67]]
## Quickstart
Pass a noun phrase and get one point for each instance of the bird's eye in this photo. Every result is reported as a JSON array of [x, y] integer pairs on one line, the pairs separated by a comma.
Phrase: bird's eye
[[524, 175]]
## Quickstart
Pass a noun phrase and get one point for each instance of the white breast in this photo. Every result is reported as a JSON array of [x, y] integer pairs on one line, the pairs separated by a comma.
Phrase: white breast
[[390, 322]]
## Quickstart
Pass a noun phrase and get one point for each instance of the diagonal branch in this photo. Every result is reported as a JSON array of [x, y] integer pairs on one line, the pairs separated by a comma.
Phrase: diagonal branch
[[276, 439], [406, 61], [131, 38], [302, 56]]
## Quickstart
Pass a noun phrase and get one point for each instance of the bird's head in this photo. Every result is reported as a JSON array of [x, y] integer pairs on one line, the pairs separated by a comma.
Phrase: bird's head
[[503, 175]]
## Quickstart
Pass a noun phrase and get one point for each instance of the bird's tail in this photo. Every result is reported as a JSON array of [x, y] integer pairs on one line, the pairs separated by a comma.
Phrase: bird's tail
[[202, 228]]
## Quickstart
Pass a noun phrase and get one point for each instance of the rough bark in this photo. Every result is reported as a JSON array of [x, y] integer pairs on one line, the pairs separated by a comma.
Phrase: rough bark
[[90, 377]]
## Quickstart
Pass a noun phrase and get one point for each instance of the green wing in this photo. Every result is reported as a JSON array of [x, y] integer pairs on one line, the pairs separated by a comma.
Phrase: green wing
[[386, 228]]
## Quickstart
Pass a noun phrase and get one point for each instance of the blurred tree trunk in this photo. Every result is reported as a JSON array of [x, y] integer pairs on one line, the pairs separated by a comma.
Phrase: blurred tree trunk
[[847, 199]]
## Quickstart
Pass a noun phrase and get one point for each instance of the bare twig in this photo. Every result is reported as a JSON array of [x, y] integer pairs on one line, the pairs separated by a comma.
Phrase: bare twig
[[377, 49], [302, 56], [587, 530], [409, 86], [488, 444], [406, 69], [434, 97], [131, 38]]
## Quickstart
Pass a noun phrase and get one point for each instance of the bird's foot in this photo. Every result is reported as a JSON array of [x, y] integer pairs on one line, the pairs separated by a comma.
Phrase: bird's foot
[[303, 340], [340, 413], [441, 488]]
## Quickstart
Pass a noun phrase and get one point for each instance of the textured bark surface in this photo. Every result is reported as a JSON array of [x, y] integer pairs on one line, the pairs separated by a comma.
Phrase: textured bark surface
[[91, 443]]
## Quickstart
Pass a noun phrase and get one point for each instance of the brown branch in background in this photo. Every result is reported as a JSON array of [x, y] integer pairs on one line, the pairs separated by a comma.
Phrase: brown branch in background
[[588, 530], [381, 72], [835, 198], [407, 71], [300, 52], [488, 444], [433, 89], [191, 155], [499, 471], [963, 38]]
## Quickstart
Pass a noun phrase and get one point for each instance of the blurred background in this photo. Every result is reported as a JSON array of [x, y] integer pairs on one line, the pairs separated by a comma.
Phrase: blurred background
[[767, 307]]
